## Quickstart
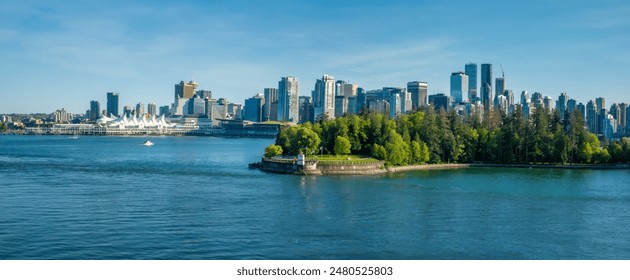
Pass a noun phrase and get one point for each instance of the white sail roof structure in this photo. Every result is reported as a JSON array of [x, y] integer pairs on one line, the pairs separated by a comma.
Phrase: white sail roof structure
[[135, 122]]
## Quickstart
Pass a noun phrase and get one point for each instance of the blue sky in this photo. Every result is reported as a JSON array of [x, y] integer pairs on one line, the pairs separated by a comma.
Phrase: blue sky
[[58, 54]]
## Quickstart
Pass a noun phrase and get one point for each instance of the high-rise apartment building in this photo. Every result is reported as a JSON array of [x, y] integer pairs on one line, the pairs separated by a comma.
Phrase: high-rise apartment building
[[459, 86], [95, 110], [487, 97], [271, 97], [152, 109], [562, 103], [288, 97], [471, 71], [139, 109], [112, 104], [418, 92], [324, 97]]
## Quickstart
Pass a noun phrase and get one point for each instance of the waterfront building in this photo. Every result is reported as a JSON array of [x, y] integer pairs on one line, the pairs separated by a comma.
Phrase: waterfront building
[[418, 91], [152, 109], [254, 108], [95, 110], [470, 70], [112, 104], [271, 96], [61, 116], [324, 97], [459, 86]]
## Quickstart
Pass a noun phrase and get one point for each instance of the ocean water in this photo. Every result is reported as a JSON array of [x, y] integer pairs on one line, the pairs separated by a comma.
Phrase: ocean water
[[195, 198]]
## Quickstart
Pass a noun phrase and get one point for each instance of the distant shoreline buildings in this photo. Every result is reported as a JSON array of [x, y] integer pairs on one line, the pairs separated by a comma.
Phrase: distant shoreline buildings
[[332, 98]]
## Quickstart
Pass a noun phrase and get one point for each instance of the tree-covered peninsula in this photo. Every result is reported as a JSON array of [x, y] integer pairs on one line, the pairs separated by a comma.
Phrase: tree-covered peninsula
[[425, 136]]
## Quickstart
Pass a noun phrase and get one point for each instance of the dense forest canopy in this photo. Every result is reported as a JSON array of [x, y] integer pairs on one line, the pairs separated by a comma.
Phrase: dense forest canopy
[[428, 137]]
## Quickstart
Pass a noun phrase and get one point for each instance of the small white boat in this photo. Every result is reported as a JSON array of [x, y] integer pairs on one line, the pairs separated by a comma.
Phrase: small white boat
[[148, 143], [73, 137]]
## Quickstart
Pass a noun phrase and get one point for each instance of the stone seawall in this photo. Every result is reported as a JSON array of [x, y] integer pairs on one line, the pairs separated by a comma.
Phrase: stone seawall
[[352, 169], [286, 166]]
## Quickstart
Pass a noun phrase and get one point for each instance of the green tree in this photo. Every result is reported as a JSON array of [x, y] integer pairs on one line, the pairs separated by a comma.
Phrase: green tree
[[379, 152], [273, 150], [397, 149], [342, 145], [419, 152], [305, 140]]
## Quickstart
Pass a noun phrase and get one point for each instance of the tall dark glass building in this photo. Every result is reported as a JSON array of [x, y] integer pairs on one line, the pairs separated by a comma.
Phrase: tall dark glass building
[[487, 98], [471, 71], [112, 104], [95, 110]]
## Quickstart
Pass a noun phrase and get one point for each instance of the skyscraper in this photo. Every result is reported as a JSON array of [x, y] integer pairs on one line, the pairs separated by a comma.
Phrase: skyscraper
[[139, 109], [487, 98], [185, 90], [562, 103], [499, 89], [112, 104], [471, 71], [271, 97], [95, 110], [288, 107], [418, 92], [324, 97], [591, 116], [459, 86], [254, 108], [152, 109]]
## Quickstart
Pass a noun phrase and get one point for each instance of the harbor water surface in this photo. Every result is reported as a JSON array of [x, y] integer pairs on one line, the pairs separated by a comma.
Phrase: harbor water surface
[[195, 198]]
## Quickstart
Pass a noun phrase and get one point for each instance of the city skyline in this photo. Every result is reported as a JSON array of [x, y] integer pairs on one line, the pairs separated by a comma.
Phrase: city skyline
[[63, 55]]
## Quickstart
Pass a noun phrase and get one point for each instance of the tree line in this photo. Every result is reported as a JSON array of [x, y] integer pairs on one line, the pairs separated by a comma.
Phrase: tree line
[[425, 136]]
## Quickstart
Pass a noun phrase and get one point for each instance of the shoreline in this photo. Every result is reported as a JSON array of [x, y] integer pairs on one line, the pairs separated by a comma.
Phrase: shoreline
[[446, 166], [289, 167]]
